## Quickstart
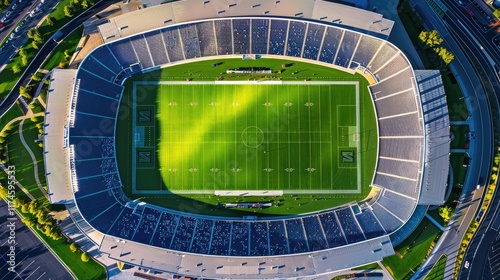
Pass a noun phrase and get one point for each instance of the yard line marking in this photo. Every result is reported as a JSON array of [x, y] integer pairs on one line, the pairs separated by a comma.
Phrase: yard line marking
[[320, 138], [310, 137], [331, 136]]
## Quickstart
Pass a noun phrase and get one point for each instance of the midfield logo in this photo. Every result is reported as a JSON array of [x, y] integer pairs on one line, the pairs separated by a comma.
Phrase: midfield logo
[[144, 157], [347, 156], [144, 116]]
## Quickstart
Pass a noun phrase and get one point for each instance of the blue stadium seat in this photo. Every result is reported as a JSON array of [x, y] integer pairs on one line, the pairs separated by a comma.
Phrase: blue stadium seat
[[346, 48], [147, 226], [371, 227], [278, 242], [93, 65], [165, 230], [96, 184], [277, 36], [351, 229], [92, 147], [142, 51], [91, 125], [183, 234], [333, 233], [124, 52], [172, 41], [260, 35], [190, 41], [388, 221], [201, 238], [93, 84], [259, 243], [104, 55], [314, 233], [206, 35], [330, 44], [96, 166], [239, 239], [220, 238], [367, 48], [156, 47], [295, 41], [314, 39], [296, 238], [126, 224], [241, 35], [224, 36]]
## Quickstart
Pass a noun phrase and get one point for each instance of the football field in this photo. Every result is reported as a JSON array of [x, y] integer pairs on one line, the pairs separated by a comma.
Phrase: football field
[[296, 137]]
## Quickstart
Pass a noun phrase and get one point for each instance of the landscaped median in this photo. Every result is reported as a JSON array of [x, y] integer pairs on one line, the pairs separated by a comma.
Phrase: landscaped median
[[474, 225]]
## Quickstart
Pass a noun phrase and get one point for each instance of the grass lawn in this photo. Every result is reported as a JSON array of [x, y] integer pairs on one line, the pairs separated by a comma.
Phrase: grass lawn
[[214, 149], [70, 43], [8, 78], [60, 18], [412, 252], [459, 172], [20, 158], [13, 113], [460, 136], [371, 266], [437, 272]]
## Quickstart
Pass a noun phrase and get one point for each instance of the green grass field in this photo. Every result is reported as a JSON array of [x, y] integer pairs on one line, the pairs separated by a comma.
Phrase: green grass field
[[194, 138]]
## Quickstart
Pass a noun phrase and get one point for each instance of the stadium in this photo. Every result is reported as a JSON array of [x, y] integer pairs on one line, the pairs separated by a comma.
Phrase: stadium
[[410, 167]]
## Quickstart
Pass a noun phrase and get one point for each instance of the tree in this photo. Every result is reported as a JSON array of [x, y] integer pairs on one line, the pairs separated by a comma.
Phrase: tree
[[24, 61], [85, 257], [36, 78], [31, 32], [34, 207], [445, 55], [73, 247], [430, 39], [24, 208], [67, 54], [16, 69], [496, 13], [35, 45], [38, 37], [68, 11], [28, 222], [85, 4], [446, 212], [3, 192], [22, 52], [63, 64], [25, 93], [50, 20]]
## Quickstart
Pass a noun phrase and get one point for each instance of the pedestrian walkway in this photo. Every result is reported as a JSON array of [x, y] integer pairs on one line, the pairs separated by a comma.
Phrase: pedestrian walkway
[[459, 150], [459, 122], [439, 226], [33, 158]]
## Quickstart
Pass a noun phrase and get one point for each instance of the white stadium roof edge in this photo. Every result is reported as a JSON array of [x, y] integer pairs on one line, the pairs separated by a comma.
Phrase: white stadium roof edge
[[411, 168]]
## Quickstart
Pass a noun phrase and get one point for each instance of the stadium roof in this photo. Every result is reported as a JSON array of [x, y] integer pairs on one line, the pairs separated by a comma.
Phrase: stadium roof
[[314, 263], [437, 129], [56, 135], [190, 10]]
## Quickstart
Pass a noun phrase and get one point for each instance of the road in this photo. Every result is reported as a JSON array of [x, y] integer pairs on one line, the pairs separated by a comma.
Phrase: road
[[31, 259], [480, 148], [45, 50]]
